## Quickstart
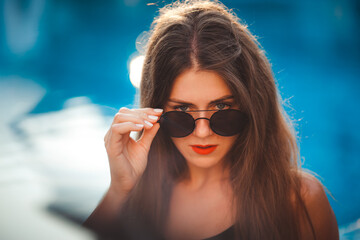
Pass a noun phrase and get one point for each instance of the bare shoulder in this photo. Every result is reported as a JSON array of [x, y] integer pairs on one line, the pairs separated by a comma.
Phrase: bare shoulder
[[320, 212]]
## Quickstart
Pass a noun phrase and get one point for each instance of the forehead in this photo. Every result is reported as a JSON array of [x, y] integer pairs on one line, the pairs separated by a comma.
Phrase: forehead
[[199, 86]]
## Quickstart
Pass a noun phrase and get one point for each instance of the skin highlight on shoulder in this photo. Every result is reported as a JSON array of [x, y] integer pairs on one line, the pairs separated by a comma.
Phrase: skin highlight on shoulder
[[320, 212]]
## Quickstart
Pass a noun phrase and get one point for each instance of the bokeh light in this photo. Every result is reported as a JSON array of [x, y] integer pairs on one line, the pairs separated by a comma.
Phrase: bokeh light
[[136, 65]]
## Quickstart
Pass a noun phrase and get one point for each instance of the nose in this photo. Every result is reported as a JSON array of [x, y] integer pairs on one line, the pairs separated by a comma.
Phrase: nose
[[202, 128]]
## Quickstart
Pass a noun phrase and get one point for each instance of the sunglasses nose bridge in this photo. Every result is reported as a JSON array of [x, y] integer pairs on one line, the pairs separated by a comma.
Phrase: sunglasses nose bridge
[[202, 114], [202, 128], [195, 120]]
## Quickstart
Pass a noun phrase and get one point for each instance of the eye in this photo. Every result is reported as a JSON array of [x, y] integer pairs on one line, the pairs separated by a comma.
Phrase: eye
[[182, 108], [222, 106]]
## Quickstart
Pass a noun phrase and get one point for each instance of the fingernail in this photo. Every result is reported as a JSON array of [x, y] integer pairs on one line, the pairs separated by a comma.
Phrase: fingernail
[[153, 117], [158, 110], [140, 125], [148, 123]]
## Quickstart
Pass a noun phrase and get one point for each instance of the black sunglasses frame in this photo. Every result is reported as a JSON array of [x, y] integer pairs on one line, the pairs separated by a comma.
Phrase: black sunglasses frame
[[229, 132]]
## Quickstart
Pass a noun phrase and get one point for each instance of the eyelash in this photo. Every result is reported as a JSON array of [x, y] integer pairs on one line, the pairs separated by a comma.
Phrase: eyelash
[[226, 105], [178, 107]]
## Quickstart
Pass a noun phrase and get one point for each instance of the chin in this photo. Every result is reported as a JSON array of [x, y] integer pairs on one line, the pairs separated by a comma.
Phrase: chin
[[203, 161]]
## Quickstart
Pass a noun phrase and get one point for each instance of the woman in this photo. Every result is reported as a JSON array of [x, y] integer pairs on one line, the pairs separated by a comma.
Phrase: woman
[[217, 157]]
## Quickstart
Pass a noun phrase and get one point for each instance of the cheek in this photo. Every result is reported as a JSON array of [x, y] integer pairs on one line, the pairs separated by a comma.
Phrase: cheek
[[179, 143], [183, 146], [228, 142]]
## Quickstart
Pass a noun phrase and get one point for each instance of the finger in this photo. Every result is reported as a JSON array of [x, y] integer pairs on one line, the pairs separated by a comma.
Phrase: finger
[[136, 115], [120, 129], [149, 135], [128, 117], [120, 134], [151, 111], [154, 111], [106, 136], [149, 114]]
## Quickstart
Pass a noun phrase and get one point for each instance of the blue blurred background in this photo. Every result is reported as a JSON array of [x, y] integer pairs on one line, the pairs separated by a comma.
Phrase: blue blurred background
[[64, 70]]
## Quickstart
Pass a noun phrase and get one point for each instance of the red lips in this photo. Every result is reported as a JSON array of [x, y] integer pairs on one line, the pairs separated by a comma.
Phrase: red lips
[[203, 149]]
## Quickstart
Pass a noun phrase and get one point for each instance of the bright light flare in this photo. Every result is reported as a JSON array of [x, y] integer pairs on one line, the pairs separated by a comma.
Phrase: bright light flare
[[136, 65]]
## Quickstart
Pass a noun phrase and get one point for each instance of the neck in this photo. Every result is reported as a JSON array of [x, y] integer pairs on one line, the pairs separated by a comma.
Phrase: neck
[[199, 178]]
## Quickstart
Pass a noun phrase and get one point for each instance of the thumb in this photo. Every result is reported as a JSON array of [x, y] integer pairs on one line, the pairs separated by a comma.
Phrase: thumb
[[149, 135]]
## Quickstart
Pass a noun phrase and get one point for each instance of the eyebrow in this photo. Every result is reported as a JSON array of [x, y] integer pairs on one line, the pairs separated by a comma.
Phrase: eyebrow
[[226, 97]]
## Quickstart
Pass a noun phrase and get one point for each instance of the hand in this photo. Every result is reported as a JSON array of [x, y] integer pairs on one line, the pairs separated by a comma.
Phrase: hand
[[127, 157]]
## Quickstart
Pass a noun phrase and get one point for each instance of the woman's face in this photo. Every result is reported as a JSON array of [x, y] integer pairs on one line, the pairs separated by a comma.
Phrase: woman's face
[[201, 90]]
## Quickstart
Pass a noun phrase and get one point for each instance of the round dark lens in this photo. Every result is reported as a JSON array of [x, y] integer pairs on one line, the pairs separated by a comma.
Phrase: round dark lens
[[177, 124], [228, 122]]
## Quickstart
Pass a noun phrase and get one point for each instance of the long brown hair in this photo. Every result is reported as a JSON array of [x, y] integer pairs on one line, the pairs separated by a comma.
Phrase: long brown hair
[[264, 172]]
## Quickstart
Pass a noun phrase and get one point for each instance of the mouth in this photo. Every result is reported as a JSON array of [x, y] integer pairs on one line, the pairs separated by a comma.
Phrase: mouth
[[203, 149]]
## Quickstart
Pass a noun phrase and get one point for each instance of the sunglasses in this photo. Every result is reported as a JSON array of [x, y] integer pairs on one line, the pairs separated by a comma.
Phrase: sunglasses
[[226, 123]]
